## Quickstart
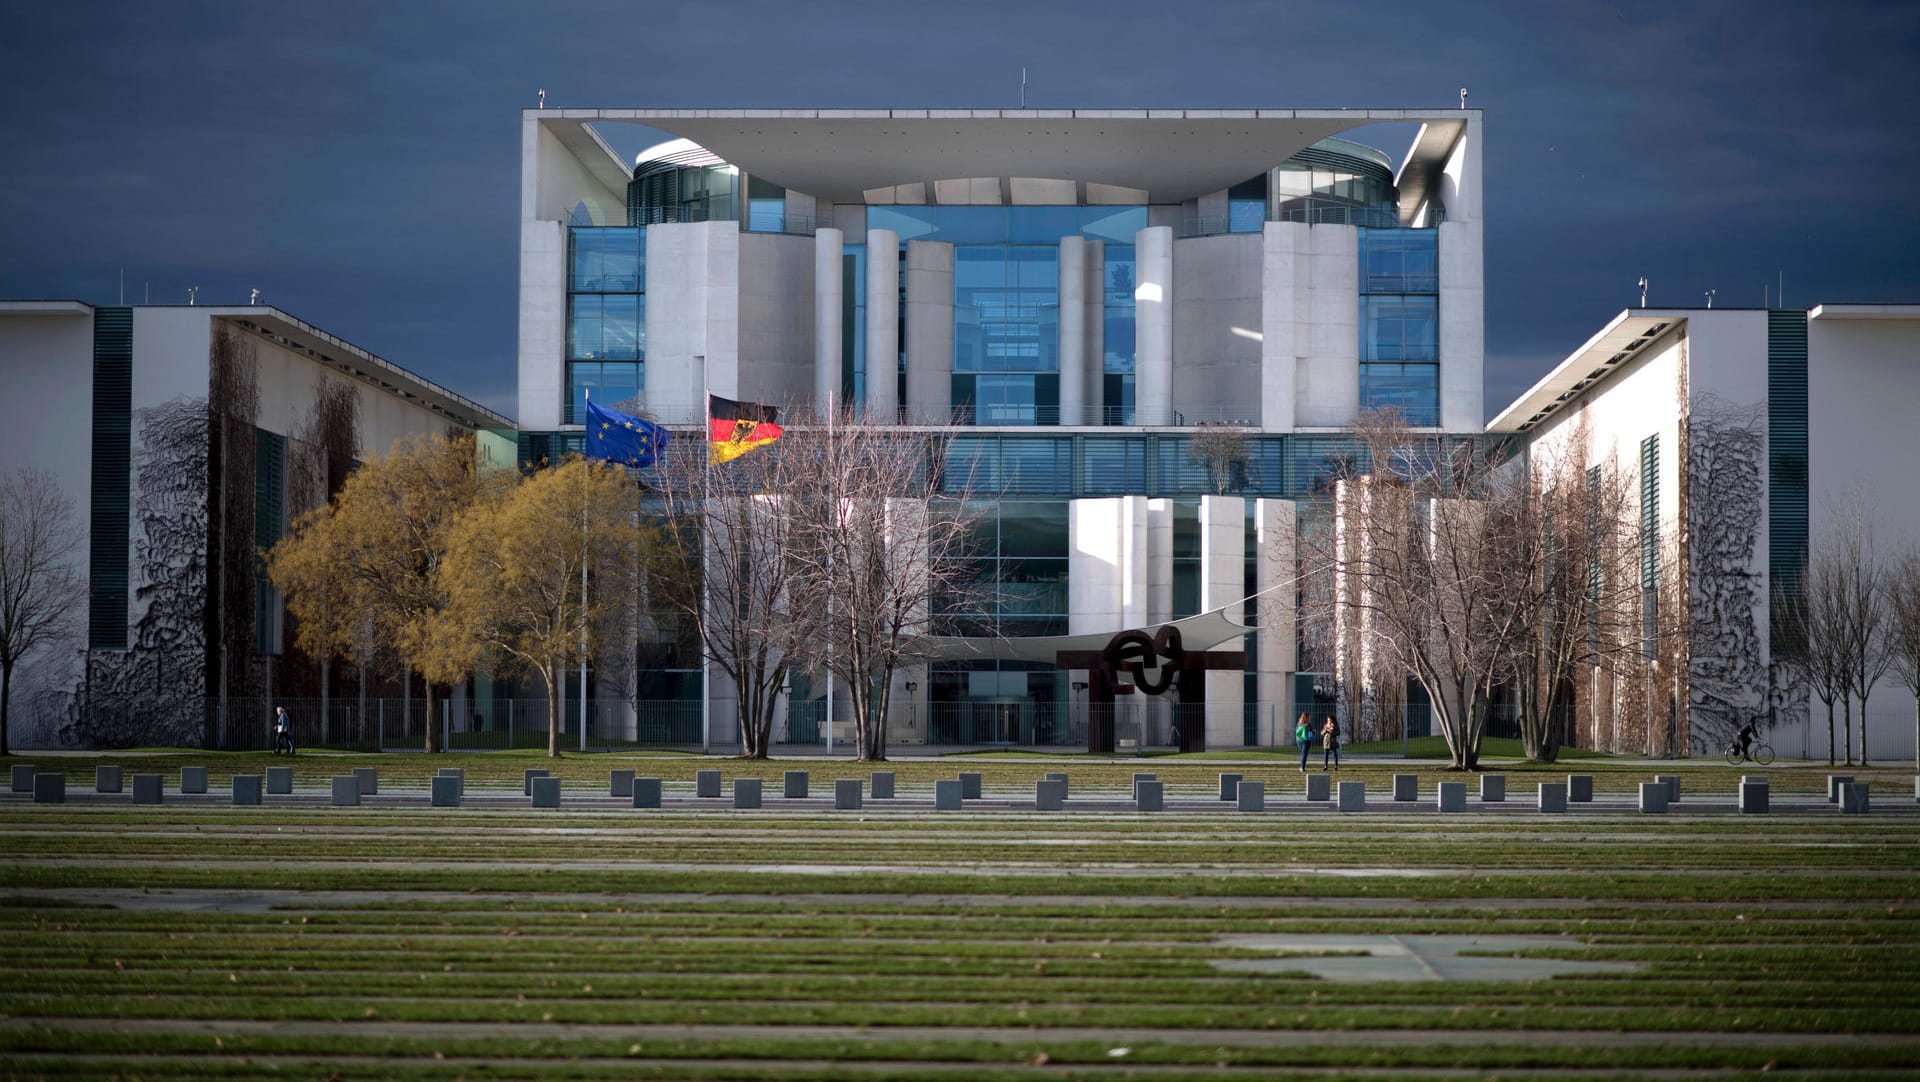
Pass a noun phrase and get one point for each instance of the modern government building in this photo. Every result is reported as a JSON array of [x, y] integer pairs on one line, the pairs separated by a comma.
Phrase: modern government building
[[1083, 292]]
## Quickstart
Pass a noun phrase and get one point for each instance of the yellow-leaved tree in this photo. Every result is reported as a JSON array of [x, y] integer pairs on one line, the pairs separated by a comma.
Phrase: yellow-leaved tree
[[513, 573]]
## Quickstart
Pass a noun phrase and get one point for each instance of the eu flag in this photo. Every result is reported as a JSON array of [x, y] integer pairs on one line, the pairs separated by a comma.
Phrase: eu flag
[[613, 436]]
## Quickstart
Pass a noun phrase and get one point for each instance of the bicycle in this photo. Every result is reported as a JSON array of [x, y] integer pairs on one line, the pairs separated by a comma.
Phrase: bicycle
[[1759, 752]]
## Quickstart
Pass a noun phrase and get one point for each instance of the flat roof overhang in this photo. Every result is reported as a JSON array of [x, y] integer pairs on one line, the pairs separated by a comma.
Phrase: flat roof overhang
[[838, 154], [1865, 311], [1619, 341]]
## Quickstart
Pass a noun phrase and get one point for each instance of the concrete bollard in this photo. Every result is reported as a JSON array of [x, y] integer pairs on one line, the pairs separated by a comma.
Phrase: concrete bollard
[[795, 787], [459, 776], [446, 792], [880, 785], [106, 779], [846, 794], [646, 792], [1672, 782], [246, 790], [1061, 777], [946, 794], [1252, 796], [1453, 796], [1579, 788], [346, 790], [1653, 797], [1853, 798], [1230, 786], [1745, 778], [1049, 795], [1147, 796], [1493, 788], [546, 792], [1553, 797], [49, 788], [1834, 782], [1139, 777], [620, 783], [1319, 787], [746, 792], [706, 783], [526, 780], [369, 780], [1352, 796], [23, 778], [279, 781], [193, 779], [147, 788], [1753, 797], [1406, 787], [969, 785]]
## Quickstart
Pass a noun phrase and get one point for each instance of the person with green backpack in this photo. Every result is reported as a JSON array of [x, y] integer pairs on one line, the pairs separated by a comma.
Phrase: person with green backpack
[[1303, 736]]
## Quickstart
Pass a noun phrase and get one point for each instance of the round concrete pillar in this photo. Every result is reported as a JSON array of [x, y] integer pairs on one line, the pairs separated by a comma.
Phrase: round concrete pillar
[[883, 326], [1153, 326], [827, 247], [1073, 331], [1094, 400]]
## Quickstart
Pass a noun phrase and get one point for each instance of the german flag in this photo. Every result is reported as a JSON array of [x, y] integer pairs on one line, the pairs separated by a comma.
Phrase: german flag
[[734, 428]]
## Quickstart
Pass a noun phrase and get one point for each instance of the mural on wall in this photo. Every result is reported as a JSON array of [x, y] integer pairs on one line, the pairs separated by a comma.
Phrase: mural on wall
[[1726, 493]]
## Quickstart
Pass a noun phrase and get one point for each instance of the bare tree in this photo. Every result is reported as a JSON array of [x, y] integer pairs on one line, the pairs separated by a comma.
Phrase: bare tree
[[1903, 630], [1863, 608], [1222, 446], [39, 585], [1810, 632]]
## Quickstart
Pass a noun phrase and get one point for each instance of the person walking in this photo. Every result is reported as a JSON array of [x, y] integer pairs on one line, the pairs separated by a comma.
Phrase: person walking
[[282, 731], [1303, 736], [1330, 737]]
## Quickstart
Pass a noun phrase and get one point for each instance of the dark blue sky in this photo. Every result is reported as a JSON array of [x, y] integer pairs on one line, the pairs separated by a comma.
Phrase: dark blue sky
[[358, 162]]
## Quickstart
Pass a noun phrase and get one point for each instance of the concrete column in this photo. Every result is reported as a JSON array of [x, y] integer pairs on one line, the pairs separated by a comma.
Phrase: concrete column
[[1106, 564], [883, 325], [929, 331], [1096, 310], [1157, 710], [1223, 556], [1073, 330], [828, 246], [1153, 326], [1272, 570], [1279, 323]]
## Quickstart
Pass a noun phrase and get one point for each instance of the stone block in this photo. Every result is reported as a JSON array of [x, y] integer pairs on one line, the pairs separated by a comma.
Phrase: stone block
[[1049, 795], [1753, 798], [970, 785], [446, 791], [1319, 787], [526, 780], [706, 783], [946, 794], [1579, 788], [369, 780], [49, 788], [1553, 797], [1493, 788], [1853, 798], [458, 774], [1230, 786], [1672, 782], [106, 779], [646, 792], [147, 788], [1252, 796], [795, 786], [1352, 796], [1147, 796], [620, 783], [346, 790], [1139, 777], [23, 778], [193, 779], [279, 780], [1834, 782], [846, 794], [1453, 796], [1406, 787], [1745, 778], [1065, 789], [546, 792], [746, 792], [1653, 797], [880, 785], [246, 790]]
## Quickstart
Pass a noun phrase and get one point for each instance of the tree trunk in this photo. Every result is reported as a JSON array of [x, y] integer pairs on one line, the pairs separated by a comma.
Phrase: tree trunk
[[326, 719], [1863, 728], [1916, 729], [1846, 726], [6, 705], [432, 745], [1829, 732], [555, 709]]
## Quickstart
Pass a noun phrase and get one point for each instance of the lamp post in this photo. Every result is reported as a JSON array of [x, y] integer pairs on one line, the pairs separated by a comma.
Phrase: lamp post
[[913, 704]]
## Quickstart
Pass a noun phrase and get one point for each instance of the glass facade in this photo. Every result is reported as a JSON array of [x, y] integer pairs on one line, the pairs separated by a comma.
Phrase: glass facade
[[1400, 323], [606, 318]]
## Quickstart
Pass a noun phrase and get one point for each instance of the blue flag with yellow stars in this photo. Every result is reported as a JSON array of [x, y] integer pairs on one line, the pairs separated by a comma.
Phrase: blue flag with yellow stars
[[613, 436]]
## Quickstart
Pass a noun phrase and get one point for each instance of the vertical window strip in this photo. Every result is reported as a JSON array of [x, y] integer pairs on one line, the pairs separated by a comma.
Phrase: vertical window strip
[[1786, 448], [269, 520], [1649, 543], [112, 478]]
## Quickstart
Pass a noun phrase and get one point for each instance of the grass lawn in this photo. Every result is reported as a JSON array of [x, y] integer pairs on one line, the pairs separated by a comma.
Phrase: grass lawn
[[201, 941]]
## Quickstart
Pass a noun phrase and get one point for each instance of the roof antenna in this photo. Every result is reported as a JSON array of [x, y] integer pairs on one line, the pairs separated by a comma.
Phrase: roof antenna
[[543, 97], [1643, 291], [1463, 97], [1710, 294], [193, 295], [254, 298], [1023, 86]]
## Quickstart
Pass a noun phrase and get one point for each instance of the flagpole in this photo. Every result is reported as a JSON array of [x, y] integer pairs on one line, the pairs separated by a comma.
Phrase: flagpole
[[585, 434], [830, 451], [706, 493]]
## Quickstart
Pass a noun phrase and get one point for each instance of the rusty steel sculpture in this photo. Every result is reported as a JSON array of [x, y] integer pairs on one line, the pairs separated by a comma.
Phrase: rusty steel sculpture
[[1151, 664]]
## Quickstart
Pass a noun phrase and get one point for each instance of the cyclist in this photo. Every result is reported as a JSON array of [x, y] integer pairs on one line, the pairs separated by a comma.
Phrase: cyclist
[[1744, 741]]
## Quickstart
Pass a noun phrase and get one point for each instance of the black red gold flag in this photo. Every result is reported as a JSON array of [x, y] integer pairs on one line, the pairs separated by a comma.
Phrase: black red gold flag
[[734, 428]]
